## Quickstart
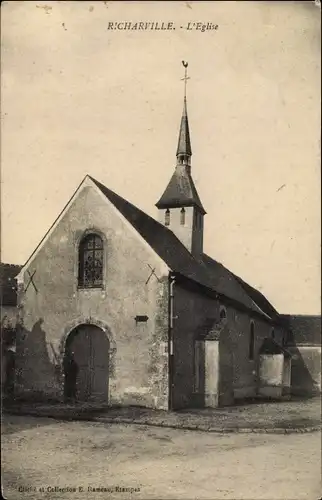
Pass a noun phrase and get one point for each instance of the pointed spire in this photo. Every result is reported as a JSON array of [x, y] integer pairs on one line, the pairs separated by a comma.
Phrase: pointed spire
[[184, 144], [181, 191]]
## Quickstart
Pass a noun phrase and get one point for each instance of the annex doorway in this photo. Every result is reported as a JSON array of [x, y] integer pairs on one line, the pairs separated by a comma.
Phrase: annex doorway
[[86, 364]]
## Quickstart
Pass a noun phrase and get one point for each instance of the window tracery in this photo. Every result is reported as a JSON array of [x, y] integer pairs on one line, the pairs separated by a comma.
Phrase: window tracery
[[90, 260]]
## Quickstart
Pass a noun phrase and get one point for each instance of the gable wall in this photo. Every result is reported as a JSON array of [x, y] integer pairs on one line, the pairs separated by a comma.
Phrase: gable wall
[[139, 365]]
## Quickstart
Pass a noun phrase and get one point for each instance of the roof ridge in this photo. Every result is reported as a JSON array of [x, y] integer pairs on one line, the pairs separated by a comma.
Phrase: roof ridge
[[262, 296], [240, 282]]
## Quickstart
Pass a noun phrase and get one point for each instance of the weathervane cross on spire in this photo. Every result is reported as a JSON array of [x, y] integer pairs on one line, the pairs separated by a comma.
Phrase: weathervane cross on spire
[[185, 64]]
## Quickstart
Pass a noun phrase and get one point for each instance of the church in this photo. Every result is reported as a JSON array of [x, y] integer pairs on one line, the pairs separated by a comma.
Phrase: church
[[119, 308]]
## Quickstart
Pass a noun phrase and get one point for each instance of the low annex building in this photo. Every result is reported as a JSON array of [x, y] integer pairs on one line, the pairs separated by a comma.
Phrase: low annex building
[[117, 307], [305, 346]]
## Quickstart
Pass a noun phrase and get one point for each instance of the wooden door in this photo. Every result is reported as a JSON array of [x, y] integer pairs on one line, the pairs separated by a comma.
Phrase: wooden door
[[90, 349], [80, 349], [99, 369]]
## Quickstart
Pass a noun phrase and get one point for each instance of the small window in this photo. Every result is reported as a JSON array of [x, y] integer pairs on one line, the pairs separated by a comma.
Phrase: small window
[[273, 333], [182, 217], [90, 262], [251, 341], [223, 314], [167, 217]]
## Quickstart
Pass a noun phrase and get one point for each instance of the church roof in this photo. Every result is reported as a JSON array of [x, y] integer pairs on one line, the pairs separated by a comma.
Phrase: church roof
[[230, 285], [211, 329], [207, 272], [259, 298], [180, 191], [270, 347], [305, 328]]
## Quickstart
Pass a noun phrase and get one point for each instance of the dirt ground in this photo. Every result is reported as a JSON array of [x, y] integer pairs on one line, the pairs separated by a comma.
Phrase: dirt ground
[[42, 453]]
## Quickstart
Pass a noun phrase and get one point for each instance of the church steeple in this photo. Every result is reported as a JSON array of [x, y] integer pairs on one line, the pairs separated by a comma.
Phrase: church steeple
[[184, 152], [184, 144], [180, 207]]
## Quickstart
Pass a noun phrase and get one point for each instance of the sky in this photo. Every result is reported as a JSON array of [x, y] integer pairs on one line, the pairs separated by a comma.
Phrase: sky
[[78, 98]]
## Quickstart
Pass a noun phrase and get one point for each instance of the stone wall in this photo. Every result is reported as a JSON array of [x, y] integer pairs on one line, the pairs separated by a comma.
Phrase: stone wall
[[9, 315], [245, 371], [194, 313]]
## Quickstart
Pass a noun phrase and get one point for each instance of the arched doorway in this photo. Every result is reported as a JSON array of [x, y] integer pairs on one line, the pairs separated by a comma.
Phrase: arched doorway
[[86, 364]]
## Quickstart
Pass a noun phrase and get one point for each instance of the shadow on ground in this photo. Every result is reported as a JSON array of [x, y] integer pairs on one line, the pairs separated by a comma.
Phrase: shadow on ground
[[296, 415], [19, 423]]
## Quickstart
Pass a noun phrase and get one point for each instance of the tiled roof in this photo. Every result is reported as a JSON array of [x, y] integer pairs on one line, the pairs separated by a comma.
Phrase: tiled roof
[[206, 272], [305, 328], [270, 347], [259, 298], [181, 191], [8, 284], [226, 283]]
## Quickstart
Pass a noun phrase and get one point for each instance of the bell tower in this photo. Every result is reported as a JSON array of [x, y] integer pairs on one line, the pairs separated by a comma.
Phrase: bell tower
[[180, 208]]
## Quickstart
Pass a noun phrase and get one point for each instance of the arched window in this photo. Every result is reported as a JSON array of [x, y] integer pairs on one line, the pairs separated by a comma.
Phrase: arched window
[[167, 217], [182, 217], [251, 341], [223, 314], [90, 262], [273, 333]]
